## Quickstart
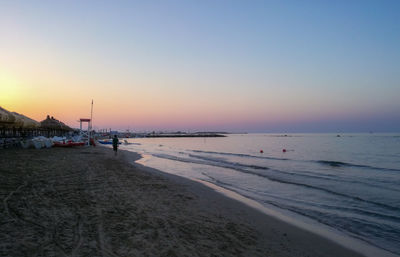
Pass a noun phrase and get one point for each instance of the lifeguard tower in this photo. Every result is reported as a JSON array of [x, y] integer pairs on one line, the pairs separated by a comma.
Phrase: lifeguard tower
[[85, 134]]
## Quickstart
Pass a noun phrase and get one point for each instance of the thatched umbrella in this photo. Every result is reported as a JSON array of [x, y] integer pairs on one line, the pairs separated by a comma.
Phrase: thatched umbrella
[[16, 120], [6, 116], [24, 121], [52, 123]]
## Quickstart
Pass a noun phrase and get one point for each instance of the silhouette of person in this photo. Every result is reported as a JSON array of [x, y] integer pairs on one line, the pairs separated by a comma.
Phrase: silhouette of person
[[115, 144]]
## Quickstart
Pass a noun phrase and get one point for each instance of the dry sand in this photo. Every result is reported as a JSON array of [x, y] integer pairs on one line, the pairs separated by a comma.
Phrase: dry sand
[[87, 202]]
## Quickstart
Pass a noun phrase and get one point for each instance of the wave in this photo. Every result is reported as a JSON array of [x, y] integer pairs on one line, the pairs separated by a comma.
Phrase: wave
[[311, 175], [245, 169], [229, 163], [235, 166], [241, 155], [346, 164], [257, 167], [352, 227], [300, 203], [349, 227], [394, 208], [314, 175], [323, 162]]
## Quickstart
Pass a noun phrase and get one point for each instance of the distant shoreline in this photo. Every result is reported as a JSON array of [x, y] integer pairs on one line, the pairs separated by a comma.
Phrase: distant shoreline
[[187, 135]]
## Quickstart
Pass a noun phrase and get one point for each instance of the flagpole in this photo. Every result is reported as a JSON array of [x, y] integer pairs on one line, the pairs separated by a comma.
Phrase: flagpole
[[91, 122]]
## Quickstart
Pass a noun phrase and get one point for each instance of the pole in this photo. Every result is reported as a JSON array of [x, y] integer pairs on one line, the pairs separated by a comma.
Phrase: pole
[[91, 115], [91, 123]]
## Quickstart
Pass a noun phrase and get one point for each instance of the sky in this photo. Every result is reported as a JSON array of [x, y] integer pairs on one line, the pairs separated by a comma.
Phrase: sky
[[238, 66]]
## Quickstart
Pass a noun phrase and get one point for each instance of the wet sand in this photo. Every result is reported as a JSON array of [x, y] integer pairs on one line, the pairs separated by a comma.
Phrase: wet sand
[[87, 202]]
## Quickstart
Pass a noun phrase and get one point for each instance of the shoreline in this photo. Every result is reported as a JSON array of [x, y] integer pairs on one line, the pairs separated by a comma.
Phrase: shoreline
[[86, 202], [321, 230]]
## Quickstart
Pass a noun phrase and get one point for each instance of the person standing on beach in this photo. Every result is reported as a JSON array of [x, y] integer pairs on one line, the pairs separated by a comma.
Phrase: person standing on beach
[[115, 144]]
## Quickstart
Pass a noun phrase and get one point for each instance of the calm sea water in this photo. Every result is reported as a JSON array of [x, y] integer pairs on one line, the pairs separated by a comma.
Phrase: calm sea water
[[350, 183]]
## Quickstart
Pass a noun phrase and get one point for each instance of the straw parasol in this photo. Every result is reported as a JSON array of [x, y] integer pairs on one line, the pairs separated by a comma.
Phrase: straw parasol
[[14, 119], [52, 123]]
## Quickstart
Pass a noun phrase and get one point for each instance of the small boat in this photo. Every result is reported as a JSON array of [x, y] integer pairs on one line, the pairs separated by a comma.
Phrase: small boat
[[129, 143], [106, 142]]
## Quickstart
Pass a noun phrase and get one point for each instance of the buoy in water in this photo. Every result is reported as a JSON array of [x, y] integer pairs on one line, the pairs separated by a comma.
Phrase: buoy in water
[[261, 151], [284, 150]]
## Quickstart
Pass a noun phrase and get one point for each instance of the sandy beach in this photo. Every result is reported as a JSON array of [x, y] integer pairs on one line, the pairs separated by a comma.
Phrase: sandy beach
[[87, 202]]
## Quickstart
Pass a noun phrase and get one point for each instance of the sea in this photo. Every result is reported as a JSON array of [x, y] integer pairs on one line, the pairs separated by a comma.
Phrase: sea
[[348, 184]]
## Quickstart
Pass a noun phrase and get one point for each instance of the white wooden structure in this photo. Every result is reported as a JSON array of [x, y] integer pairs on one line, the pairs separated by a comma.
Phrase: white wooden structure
[[85, 134]]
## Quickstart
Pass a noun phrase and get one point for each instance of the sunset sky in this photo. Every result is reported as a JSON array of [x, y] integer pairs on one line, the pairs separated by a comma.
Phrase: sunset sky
[[256, 66]]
